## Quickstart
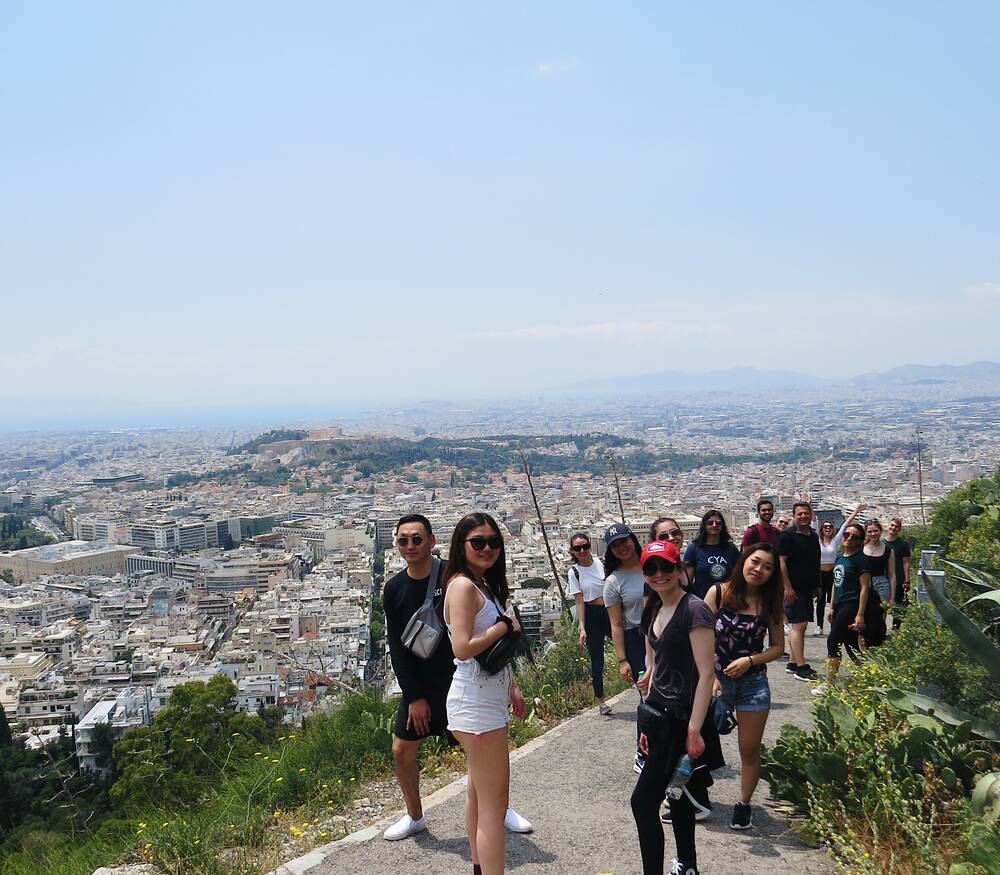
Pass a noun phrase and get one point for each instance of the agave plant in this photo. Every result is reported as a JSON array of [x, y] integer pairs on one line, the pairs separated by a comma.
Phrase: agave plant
[[979, 645]]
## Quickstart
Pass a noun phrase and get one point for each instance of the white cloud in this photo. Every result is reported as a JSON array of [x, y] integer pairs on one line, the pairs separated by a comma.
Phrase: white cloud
[[633, 330], [984, 293], [547, 68]]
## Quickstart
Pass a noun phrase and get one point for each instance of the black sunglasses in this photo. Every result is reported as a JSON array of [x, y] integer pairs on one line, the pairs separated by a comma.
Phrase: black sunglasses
[[655, 565], [852, 537], [713, 522], [405, 541], [580, 548], [666, 536], [479, 543]]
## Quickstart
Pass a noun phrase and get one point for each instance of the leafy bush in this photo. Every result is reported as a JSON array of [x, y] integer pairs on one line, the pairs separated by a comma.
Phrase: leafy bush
[[558, 685], [886, 788]]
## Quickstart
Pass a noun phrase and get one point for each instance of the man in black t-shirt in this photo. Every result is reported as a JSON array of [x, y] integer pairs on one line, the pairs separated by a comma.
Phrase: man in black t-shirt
[[424, 682], [798, 552], [901, 556]]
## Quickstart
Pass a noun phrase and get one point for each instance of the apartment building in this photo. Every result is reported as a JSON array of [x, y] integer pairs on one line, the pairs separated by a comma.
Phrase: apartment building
[[81, 558]]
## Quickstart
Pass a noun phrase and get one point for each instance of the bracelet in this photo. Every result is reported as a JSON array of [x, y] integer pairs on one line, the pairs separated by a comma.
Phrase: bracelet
[[623, 659], [751, 661]]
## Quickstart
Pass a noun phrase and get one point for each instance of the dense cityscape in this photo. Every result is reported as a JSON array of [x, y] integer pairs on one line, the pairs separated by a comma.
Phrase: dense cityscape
[[140, 559]]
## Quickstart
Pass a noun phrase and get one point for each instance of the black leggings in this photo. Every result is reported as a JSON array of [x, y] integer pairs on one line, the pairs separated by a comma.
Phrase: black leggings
[[844, 615], [598, 626], [825, 594], [650, 790]]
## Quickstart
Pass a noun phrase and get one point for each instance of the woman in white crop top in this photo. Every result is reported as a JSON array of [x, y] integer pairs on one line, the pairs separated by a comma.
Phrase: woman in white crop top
[[475, 593], [829, 544]]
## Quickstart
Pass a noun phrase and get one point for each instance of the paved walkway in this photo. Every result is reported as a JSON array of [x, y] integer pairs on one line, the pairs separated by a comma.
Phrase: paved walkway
[[574, 784]]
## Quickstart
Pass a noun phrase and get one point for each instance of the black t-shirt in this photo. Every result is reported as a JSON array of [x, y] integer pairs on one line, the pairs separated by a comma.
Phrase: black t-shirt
[[801, 554], [418, 678], [675, 675], [900, 550], [879, 565]]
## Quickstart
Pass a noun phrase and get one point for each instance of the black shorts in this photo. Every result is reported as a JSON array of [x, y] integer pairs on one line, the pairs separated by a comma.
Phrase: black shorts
[[439, 720], [800, 610]]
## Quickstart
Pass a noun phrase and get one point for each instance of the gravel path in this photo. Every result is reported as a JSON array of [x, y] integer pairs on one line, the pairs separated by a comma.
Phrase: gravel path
[[574, 784]]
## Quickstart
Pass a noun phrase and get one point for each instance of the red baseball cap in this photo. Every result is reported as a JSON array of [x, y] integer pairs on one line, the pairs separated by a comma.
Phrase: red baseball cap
[[661, 550]]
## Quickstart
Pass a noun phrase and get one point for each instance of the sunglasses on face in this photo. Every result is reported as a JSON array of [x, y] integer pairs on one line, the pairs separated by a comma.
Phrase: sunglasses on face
[[713, 522], [479, 543], [666, 536], [405, 541], [852, 537], [580, 548], [656, 566]]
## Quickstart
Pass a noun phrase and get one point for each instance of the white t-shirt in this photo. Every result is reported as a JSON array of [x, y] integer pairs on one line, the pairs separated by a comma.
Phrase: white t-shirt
[[591, 582]]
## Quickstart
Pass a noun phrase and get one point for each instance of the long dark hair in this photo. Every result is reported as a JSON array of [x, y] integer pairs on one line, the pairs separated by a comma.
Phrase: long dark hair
[[859, 528], [656, 524], [724, 536], [572, 556], [734, 593], [611, 561], [496, 575]]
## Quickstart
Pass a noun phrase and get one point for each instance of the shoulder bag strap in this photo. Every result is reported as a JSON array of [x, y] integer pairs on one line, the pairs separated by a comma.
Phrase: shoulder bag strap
[[432, 580]]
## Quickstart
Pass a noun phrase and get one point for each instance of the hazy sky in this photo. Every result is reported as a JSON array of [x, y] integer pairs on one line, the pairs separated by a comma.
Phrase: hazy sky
[[224, 204]]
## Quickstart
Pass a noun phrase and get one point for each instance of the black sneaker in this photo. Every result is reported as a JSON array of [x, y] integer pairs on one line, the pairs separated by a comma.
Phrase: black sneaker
[[680, 868], [742, 816], [791, 667], [804, 672]]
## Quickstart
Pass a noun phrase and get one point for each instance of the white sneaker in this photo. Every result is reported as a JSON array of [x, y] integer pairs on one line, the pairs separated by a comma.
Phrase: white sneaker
[[405, 827], [515, 823]]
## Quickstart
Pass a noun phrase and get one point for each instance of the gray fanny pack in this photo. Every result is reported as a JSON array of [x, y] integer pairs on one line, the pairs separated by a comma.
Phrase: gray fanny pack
[[424, 632]]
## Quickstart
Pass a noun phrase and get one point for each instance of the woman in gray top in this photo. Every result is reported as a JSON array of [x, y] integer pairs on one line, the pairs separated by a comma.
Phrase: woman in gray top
[[624, 587]]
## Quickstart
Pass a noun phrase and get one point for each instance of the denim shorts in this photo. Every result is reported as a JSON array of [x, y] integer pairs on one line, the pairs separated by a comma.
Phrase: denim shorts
[[751, 692]]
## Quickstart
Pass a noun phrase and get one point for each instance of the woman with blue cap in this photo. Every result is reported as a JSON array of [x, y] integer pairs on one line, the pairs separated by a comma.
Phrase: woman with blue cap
[[624, 587]]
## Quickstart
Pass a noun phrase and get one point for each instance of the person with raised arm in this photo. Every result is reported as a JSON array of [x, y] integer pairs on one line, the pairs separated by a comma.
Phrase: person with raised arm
[[680, 743], [829, 544], [852, 581]]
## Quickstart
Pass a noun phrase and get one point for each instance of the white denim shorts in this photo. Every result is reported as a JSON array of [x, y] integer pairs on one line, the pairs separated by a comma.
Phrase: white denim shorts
[[477, 702]]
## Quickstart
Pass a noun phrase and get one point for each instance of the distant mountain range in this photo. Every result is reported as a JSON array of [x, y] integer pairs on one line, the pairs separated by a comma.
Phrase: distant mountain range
[[754, 380], [930, 374]]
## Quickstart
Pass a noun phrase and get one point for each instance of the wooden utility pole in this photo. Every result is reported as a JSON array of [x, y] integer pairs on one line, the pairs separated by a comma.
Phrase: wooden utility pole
[[920, 479], [545, 535], [610, 456]]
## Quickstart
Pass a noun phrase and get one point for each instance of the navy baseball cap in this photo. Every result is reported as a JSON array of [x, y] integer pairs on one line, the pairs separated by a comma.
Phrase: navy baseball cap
[[616, 533]]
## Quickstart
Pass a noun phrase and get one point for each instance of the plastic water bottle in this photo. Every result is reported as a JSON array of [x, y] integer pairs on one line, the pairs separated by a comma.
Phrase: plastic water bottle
[[682, 774]]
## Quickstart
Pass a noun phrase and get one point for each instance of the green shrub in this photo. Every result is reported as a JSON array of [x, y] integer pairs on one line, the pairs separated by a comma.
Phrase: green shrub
[[888, 791]]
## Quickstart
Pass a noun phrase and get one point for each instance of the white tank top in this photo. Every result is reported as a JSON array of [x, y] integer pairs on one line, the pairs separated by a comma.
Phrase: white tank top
[[485, 617]]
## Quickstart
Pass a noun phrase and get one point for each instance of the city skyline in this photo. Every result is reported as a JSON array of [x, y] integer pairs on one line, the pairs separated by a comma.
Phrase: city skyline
[[326, 210]]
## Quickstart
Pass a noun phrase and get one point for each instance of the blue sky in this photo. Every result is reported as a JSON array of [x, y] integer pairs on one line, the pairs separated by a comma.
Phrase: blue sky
[[327, 203]]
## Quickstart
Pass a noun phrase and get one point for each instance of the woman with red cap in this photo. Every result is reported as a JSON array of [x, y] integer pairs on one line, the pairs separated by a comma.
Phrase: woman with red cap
[[677, 737]]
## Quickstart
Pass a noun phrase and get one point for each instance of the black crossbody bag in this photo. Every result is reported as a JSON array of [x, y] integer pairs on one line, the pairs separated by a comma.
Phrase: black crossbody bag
[[495, 658]]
